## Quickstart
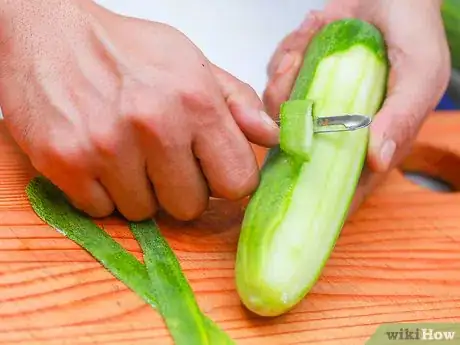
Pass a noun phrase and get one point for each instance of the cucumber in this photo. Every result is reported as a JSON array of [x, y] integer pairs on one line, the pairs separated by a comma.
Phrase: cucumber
[[294, 218], [296, 132], [450, 11]]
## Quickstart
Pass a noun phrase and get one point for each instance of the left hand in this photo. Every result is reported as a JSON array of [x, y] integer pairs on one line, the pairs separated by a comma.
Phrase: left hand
[[419, 74]]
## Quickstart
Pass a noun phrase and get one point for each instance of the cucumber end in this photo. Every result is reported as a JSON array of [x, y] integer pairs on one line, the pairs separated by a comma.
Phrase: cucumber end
[[266, 301]]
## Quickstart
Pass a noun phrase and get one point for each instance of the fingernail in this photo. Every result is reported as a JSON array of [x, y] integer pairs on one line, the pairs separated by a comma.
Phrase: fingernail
[[268, 120], [386, 152], [285, 64]]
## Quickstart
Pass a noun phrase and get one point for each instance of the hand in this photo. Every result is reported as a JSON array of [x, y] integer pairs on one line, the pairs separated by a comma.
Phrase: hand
[[419, 74], [126, 114]]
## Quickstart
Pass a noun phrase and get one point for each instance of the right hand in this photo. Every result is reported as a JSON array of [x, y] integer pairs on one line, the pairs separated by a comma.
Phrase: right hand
[[417, 80], [122, 113]]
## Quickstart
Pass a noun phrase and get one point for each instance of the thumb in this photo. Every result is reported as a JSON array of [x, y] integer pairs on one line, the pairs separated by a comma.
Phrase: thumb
[[247, 110], [286, 62], [410, 99]]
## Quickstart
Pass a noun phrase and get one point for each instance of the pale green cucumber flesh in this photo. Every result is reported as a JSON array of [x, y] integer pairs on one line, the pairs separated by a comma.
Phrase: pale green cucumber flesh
[[296, 128], [295, 216]]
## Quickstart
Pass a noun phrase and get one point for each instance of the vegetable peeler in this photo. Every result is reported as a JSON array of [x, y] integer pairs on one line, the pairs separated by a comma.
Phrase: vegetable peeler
[[339, 123]]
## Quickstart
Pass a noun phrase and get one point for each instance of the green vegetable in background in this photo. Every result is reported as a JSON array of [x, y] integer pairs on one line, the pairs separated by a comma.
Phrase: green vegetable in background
[[450, 11], [294, 218], [161, 282]]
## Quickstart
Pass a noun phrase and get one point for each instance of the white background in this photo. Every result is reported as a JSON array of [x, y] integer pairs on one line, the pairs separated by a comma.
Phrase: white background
[[237, 35]]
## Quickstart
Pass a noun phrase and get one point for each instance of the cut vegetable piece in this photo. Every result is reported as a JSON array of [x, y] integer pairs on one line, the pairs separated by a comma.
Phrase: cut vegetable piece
[[176, 301], [295, 216], [296, 132], [50, 204]]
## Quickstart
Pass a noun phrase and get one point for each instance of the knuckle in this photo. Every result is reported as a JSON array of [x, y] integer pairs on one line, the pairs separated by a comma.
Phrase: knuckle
[[149, 123], [139, 119], [141, 110], [70, 154], [171, 141], [243, 94], [104, 140], [164, 139], [249, 91], [65, 152], [196, 99], [163, 132]]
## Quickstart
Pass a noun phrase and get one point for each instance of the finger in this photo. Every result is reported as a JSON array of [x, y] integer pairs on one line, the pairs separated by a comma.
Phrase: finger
[[123, 174], [180, 187], [84, 193], [66, 164], [226, 157], [179, 184], [247, 110], [412, 96], [280, 86], [287, 61], [297, 41], [90, 197]]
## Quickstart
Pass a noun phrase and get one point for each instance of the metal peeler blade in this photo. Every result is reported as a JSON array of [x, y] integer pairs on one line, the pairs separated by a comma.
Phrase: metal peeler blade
[[339, 123]]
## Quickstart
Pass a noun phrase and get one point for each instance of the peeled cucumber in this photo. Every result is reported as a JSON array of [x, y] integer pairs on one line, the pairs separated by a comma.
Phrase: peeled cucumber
[[295, 216]]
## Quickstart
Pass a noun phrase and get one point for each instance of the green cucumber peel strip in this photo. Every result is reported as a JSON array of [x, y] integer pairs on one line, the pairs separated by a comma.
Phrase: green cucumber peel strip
[[177, 305], [50, 205], [296, 128]]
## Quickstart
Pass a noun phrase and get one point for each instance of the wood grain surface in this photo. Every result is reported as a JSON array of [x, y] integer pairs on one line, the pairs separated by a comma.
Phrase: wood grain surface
[[397, 260]]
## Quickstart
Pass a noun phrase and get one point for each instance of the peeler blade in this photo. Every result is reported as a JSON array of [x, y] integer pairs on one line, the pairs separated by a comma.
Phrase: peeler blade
[[342, 123], [348, 122]]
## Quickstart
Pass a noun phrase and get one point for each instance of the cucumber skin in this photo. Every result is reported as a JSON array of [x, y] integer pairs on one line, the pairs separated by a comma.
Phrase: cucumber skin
[[280, 171], [336, 37], [450, 11]]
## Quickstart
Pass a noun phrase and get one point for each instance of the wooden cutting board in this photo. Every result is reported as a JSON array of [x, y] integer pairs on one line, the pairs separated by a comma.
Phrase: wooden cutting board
[[397, 260]]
